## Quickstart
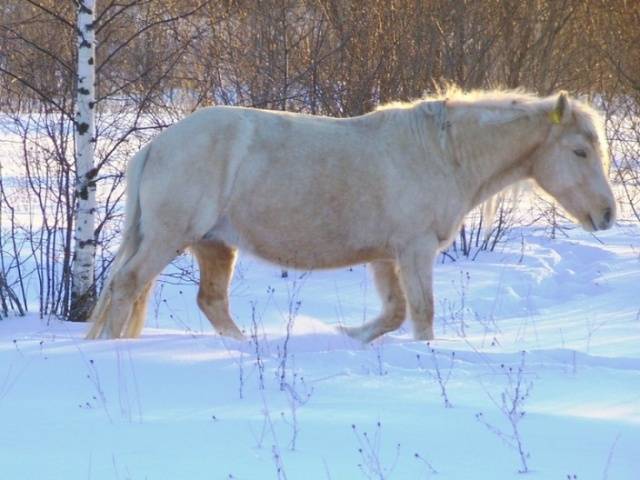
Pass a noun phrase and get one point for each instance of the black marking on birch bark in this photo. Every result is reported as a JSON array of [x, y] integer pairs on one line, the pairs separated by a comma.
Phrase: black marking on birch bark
[[92, 174], [84, 44], [89, 26], [82, 128], [82, 8], [90, 62], [86, 243], [83, 91], [92, 104], [82, 303], [84, 193]]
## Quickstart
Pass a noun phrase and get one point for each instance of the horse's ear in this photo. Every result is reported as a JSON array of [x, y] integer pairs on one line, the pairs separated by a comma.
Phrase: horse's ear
[[560, 113]]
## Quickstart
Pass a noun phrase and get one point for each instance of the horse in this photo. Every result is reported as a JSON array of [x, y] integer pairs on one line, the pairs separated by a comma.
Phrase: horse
[[389, 188]]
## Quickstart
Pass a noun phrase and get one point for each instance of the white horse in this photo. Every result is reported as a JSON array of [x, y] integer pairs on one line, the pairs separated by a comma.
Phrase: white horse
[[390, 188]]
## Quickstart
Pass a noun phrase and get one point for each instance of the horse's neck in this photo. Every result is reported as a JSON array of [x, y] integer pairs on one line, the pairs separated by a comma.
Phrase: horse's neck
[[502, 157]]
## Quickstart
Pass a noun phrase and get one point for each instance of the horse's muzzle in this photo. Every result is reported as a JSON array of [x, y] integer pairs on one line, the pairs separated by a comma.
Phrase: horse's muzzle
[[606, 221]]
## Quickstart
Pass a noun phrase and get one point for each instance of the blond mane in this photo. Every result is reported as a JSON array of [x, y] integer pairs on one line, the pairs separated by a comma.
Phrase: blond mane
[[497, 106]]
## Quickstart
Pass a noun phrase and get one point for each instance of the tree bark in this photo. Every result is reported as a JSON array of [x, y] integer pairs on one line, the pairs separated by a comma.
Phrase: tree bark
[[83, 285]]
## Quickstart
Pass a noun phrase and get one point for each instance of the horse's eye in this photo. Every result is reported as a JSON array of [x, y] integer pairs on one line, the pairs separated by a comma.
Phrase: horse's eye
[[581, 153]]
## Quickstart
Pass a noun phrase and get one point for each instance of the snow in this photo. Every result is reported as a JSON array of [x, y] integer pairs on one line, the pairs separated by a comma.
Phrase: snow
[[182, 402]]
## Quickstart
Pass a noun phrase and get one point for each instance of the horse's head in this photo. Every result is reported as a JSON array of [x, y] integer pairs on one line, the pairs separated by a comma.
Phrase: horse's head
[[570, 165]]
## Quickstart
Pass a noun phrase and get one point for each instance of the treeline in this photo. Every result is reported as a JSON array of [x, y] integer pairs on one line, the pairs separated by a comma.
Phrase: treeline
[[339, 57], [156, 60]]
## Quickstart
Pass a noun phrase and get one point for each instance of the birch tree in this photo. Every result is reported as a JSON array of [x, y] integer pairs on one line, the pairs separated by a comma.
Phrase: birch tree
[[83, 286]]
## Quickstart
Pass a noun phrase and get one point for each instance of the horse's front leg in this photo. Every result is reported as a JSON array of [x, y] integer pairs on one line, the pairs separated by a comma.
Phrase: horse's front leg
[[385, 275], [415, 260]]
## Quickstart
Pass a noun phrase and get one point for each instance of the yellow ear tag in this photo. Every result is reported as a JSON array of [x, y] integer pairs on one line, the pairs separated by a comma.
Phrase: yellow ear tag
[[555, 117]]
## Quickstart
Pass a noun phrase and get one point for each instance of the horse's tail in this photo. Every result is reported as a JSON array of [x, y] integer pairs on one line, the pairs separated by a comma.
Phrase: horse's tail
[[131, 238], [132, 233]]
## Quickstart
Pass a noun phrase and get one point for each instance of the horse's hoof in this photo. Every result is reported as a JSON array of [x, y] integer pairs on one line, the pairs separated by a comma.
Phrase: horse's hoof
[[94, 333], [236, 334], [107, 332], [425, 335], [102, 335], [364, 335]]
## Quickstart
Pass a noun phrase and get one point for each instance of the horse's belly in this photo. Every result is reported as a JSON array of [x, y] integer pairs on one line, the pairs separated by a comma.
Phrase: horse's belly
[[298, 246], [311, 258]]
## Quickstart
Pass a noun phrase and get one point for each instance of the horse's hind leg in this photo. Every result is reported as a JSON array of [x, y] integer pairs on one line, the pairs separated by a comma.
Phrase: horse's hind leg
[[216, 261], [394, 305], [139, 313], [129, 287]]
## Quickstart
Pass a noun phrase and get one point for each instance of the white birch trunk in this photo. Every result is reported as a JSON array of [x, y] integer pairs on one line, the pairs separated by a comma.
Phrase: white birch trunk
[[83, 289]]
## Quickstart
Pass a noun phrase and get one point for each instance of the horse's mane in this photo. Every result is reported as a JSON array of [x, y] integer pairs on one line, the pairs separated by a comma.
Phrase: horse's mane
[[454, 95], [514, 103]]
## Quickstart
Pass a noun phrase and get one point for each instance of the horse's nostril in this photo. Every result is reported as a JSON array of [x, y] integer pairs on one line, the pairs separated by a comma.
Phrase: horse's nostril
[[607, 215]]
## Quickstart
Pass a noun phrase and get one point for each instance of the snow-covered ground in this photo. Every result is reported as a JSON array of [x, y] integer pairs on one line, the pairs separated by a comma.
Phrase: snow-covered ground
[[183, 403]]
